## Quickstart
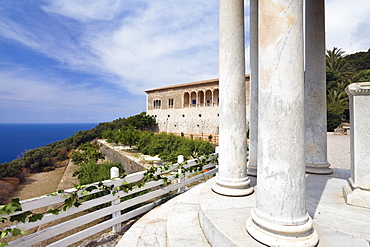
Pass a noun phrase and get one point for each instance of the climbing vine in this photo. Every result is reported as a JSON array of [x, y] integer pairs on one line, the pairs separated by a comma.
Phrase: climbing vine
[[79, 195]]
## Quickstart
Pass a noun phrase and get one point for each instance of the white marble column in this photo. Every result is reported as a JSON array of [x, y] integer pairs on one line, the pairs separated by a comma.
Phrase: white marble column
[[280, 217], [253, 103], [315, 89], [357, 193], [232, 179]]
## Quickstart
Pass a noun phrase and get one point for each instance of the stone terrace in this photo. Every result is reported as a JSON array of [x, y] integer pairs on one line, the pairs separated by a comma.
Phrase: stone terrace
[[179, 221]]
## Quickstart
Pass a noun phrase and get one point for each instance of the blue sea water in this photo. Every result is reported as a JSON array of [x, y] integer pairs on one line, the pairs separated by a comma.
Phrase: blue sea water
[[15, 139]]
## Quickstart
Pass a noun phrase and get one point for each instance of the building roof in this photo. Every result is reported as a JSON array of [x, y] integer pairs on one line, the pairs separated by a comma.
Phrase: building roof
[[187, 84], [183, 85]]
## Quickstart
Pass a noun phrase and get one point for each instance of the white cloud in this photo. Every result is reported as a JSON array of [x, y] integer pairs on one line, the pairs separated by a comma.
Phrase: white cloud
[[148, 44], [347, 25], [168, 42], [24, 92], [84, 11], [138, 45]]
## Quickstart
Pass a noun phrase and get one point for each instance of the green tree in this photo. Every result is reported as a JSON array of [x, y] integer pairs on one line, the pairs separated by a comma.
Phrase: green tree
[[142, 121], [360, 60], [337, 103], [339, 74], [85, 153], [129, 137], [337, 65], [362, 76]]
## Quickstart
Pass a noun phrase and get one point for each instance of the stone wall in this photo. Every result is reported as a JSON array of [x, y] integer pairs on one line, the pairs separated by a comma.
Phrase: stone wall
[[187, 120], [116, 156]]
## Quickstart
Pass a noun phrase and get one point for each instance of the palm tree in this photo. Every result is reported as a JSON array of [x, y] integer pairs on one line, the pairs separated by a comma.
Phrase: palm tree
[[336, 63], [337, 99], [337, 104]]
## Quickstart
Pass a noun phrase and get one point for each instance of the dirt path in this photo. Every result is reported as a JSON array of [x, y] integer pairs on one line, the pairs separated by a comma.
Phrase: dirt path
[[38, 184]]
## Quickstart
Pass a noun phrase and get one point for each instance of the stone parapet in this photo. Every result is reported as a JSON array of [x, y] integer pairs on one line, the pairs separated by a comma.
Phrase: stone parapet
[[357, 193], [116, 156]]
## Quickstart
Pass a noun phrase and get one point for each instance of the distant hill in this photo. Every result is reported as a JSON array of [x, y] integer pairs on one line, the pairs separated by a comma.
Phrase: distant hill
[[361, 60]]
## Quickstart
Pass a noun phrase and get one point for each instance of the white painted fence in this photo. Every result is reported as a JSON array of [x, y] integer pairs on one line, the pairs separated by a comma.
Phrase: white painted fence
[[143, 202]]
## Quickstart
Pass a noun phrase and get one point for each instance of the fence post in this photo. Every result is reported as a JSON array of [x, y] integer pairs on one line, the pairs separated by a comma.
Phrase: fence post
[[114, 173], [180, 159], [217, 151]]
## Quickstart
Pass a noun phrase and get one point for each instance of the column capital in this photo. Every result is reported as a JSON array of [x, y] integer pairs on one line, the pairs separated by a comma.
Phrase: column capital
[[358, 88]]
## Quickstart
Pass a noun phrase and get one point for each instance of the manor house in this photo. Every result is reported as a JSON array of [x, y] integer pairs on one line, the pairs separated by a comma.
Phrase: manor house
[[189, 109]]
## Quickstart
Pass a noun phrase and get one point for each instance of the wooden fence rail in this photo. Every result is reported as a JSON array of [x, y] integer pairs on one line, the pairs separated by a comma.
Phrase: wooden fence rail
[[110, 216]]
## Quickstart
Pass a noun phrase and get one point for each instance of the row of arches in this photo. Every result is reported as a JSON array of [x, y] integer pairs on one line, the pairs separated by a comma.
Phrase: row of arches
[[201, 98]]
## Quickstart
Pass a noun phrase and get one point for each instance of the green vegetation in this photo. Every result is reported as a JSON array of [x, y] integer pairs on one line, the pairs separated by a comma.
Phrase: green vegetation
[[49, 157], [53, 155], [88, 192], [341, 71], [91, 172], [360, 60], [86, 152], [166, 146]]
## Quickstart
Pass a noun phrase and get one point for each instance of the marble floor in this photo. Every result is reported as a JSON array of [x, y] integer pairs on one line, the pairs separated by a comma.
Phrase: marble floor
[[177, 223]]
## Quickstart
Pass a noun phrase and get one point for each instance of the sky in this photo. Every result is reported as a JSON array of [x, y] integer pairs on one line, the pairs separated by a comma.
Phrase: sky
[[90, 61]]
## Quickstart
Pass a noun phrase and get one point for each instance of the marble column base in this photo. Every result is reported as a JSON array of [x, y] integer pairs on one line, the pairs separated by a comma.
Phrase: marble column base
[[356, 196], [321, 169], [279, 235], [237, 187], [251, 169]]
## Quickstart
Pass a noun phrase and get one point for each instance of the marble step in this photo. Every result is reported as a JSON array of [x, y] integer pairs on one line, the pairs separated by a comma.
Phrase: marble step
[[183, 227], [149, 230], [223, 218]]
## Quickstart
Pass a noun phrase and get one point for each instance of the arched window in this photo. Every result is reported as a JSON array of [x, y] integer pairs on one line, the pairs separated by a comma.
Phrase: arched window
[[200, 98], [186, 99], [208, 98], [193, 98], [216, 97]]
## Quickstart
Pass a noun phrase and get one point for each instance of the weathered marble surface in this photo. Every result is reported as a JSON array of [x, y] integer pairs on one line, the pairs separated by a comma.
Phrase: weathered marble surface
[[279, 217], [232, 176], [315, 89], [358, 191], [253, 103]]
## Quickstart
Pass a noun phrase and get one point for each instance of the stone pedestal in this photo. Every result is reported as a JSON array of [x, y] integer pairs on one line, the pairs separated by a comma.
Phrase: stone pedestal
[[253, 103], [315, 90], [357, 193], [279, 217], [232, 179]]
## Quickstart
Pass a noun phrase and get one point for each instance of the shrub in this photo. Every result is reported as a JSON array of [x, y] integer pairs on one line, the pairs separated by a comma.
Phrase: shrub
[[48, 168], [169, 146], [13, 181], [91, 172], [11, 169], [23, 175], [6, 190]]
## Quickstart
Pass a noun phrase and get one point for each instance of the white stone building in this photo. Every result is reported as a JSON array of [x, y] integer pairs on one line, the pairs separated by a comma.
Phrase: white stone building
[[188, 108]]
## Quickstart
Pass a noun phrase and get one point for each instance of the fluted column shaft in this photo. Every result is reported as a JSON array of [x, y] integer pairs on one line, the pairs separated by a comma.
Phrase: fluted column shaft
[[232, 176], [253, 124], [280, 217], [315, 89]]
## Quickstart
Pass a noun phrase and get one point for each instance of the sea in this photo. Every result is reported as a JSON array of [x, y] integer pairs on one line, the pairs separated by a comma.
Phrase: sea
[[17, 138]]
